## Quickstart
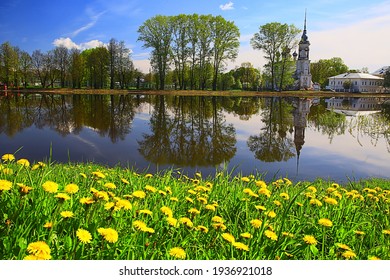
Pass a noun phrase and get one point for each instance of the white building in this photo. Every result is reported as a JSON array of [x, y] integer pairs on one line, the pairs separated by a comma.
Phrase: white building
[[356, 82]]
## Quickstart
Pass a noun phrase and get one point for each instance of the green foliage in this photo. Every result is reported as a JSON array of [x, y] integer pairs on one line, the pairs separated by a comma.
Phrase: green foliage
[[325, 68]]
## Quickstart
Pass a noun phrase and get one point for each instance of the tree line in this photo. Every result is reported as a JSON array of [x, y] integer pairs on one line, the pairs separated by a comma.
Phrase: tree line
[[187, 52]]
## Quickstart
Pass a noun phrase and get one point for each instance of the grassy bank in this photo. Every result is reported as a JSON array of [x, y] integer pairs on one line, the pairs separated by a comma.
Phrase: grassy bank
[[86, 211], [297, 93]]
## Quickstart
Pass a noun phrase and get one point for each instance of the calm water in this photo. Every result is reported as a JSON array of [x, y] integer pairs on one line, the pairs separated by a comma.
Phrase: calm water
[[336, 138]]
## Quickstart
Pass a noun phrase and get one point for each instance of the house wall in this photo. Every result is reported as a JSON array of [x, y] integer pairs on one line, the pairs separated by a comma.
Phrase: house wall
[[358, 85]]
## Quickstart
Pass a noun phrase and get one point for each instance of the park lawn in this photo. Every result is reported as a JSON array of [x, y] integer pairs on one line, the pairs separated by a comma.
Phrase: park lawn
[[91, 212]]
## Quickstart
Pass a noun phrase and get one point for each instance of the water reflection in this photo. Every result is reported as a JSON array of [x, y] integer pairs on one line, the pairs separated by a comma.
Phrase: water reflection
[[301, 137]]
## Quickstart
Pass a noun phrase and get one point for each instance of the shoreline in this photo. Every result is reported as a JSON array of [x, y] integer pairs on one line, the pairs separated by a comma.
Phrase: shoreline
[[304, 94]]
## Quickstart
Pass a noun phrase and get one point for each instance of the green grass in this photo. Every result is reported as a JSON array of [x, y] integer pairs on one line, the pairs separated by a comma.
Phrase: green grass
[[359, 215]]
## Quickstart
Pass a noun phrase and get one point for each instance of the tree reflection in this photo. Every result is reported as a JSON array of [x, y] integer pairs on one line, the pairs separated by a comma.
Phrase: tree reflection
[[191, 132], [272, 144]]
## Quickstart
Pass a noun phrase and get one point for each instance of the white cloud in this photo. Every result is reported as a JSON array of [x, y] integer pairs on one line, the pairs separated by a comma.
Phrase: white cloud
[[227, 6], [69, 44]]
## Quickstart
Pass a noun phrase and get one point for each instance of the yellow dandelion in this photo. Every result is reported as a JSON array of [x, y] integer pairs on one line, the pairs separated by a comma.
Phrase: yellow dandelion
[[191, 192], [8, 171], [67, 214], [109, 205], [195, 181], [298, 203], [285, 196], [48, 225], [50, 186], [145, 211], [349, 254], [24, 162], [175, 199], [260, 207], [166, 211], [62, 196], [261, 184], [271, 214], [240, 246], [86, 200], [287, 182], [245, 179], [256, 223], [217, 219], [162, 193], [139, 194], [310, 239], [98, 175], [325, 222], [194, 211], [343, 246], [330, 200], [172, 221], [228, 237], [210, 207], [312, 189], [202, 229], [40, 250], [277, 203], [83, 175], [177, 252], [202, 200], [150, 189], [386, 231], [84, 235], [358, 232], [5, 185], [123, 204], [124, 181], [71, 188], [265, 192], [219, 226], [271, 235], [168, 190], [23, 188], [102, 195], [109, 234], [110, 185], [246, 235], [8, 157], [189, 199], [288, 234], [186, 221], [148, 175], [31, 258], [139, 224], [148, 229], [373, 258], [315, 202]]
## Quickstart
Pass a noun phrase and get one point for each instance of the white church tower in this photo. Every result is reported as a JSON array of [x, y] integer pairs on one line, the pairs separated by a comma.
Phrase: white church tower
[[302, 73]]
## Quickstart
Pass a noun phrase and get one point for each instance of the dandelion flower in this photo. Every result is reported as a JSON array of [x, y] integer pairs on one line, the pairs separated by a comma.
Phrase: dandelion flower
[[271, 214], [288, 234], [148, 229], [245, 179], [228, 237], [162, 193], [285, 196], [386, 231], [175, 199], [316, 202], [240, 246], [331, 201], [8, 157], [186, 221], [166, 211], [98, 175], [148, 175], [325, 222], [67, 214], [139, 194], [48, 225], [310, 239], [312, 189], [109, 205], [150, 189], [139, 225], [217, 219], [260, 207], [50, 186], [202, 200], [71, 188], [24, 162], [277, 203], [5, 185], [210, 207], [265, 191], [62, 196], [349, 254], [194, 211], [189, 199], [124, 181], [358, 232], [110, 185], [83, 175], [109, 234], [123, 204], [145, 211], [24, 189], [271, 235], [343, 246], [40, 250], [256, 223], [172, 221], [246, 235], [84, 235], [219, 226], [373, 258], [86, 200], [202, 229], [101, 195], [177, 252], [261, 184]]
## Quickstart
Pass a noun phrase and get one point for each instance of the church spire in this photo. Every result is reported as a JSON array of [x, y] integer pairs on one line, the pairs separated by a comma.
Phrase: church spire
[[304, 36]]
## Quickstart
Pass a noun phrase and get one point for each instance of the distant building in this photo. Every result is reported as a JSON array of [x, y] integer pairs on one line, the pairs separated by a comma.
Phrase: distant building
[[381, 72], [354, 106], [302, 73], [356, 82]]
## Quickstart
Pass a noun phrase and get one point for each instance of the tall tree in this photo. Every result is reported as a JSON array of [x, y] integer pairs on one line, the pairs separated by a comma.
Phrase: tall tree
[[124, 70], [322, 69], [204, 52], [386, 82], [112, 50], [25, 67], [61, 61], [274, 39], [76, 68], [41, 66], [156, 33], [225, 44], [8, 62]]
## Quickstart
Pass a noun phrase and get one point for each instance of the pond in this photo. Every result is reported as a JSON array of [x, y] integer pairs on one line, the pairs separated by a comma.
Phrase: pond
[[333, 138]]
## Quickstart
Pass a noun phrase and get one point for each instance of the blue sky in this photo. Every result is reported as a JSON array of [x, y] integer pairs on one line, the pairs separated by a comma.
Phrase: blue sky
[[357, 31]]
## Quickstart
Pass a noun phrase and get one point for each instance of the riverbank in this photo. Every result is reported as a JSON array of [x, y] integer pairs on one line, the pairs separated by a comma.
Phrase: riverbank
[[91, 212], [302, 93]]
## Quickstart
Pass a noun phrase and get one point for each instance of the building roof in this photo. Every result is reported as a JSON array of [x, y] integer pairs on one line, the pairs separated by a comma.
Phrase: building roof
[[356, 76]]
